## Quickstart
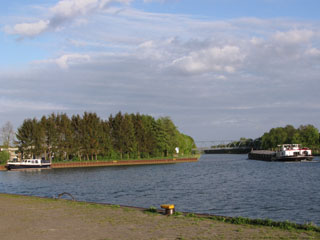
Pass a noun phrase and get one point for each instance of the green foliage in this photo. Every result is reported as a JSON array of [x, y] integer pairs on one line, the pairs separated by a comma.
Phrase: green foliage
[[4, 157], [87, 137], [177, 214], [114, 206], [151, 209], [191, 215], [306, 135]]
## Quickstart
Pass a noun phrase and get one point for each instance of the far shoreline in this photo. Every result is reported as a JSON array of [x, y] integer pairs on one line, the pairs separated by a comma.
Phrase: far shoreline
[[111, 163]]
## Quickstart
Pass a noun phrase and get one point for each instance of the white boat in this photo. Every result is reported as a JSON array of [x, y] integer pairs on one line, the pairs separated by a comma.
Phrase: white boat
[[286, 152], [28, 164], [293, 152]]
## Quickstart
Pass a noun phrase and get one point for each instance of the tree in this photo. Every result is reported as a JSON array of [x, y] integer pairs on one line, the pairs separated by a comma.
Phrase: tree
[[64, 136], [309, 135], [4, 157], [150, 127], [93, 132], [24, 137], [105, 140], [185, 143], [77, 136], [125, 135], [167, 136], [306, 135], [7, 135]]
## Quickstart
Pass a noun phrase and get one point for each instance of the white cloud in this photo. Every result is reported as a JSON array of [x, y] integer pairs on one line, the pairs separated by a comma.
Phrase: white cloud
[[72, 8], [9, 105], [212, 59], [314, 52], [63, 11], [134, 62], [294, 36], [66, 60], [28, 29]]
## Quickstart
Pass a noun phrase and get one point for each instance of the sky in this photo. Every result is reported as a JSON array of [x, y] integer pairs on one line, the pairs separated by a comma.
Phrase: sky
[[221, 69]]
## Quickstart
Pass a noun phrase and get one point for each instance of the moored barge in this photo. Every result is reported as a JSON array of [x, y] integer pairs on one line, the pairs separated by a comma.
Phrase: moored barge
[[286, 153], [28, 164]]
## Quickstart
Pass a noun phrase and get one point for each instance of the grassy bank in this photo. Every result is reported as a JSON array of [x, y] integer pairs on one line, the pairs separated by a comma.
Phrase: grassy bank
[[60, 219]]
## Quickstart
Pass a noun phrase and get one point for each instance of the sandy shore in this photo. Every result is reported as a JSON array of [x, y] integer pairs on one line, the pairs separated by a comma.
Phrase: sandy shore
[[32, 218]]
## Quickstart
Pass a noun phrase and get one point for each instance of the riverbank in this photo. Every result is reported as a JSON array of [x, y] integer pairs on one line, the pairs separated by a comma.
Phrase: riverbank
[[117, 163], [24, 217], [121, 163]]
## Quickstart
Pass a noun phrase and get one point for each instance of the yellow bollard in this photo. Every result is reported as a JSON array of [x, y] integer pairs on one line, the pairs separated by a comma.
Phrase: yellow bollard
[[169, 208]]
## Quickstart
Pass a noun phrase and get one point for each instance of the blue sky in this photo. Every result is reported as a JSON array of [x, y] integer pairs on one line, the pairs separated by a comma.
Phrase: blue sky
[[225, 9], [220, 69]]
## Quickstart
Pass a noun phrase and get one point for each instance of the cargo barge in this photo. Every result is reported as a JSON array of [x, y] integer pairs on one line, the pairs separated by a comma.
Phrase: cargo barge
[[286, 153]]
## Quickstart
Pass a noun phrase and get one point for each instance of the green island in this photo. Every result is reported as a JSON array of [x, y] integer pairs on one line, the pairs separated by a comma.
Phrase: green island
[[24, 217]]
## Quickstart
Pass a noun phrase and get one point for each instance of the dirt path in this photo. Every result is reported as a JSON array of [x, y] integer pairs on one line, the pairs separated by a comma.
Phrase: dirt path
[[31, 218]]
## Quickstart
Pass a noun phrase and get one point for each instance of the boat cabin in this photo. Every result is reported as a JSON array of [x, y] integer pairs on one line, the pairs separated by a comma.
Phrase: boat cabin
[[292, 150]]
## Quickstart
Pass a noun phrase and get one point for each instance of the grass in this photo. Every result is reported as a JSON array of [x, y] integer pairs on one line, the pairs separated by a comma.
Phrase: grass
[[117, 220], [151, 209], [285, 225], [267, 222]]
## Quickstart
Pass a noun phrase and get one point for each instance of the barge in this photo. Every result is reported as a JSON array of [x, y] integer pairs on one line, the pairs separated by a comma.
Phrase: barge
[[28, 164], [286, 153]]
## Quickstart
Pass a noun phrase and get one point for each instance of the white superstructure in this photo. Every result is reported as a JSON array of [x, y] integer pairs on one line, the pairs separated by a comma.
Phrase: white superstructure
[[28, 163], [292, 150]]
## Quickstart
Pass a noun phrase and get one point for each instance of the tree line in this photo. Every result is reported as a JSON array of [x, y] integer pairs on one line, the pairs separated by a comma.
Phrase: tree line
[[88, 137], [307, 135]]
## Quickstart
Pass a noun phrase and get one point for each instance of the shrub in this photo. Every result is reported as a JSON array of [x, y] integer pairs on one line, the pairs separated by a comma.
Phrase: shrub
[[4, 157]]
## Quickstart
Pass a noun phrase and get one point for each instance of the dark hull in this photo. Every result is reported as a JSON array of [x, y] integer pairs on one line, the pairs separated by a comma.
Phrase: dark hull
[[295, 159], [18, 167], [262, 155]]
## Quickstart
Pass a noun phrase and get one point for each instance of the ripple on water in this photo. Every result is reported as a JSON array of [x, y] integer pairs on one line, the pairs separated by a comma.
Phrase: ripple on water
[[223, 184]]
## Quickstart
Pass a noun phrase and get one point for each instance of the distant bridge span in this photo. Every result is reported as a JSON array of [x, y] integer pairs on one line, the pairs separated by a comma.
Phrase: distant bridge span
[[221, 146]]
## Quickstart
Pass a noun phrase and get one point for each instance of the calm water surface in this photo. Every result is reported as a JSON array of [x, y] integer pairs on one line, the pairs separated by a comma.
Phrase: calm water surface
[[224, 184]]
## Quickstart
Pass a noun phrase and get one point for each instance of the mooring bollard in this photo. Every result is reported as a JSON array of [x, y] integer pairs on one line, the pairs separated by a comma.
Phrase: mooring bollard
[[169, 208]]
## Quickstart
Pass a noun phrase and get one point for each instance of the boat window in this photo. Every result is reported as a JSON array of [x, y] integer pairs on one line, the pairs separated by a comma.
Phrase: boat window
[[36, 161]]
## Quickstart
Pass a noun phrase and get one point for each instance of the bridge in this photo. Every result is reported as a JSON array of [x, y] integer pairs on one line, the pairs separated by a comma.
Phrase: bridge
[[222, 146]]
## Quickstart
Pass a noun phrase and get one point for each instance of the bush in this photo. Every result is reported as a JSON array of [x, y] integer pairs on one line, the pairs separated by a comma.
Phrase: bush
[[4, 157], [151, 209]]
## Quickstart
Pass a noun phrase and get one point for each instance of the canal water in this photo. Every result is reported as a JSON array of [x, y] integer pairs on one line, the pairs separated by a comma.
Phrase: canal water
[[228, 185]]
